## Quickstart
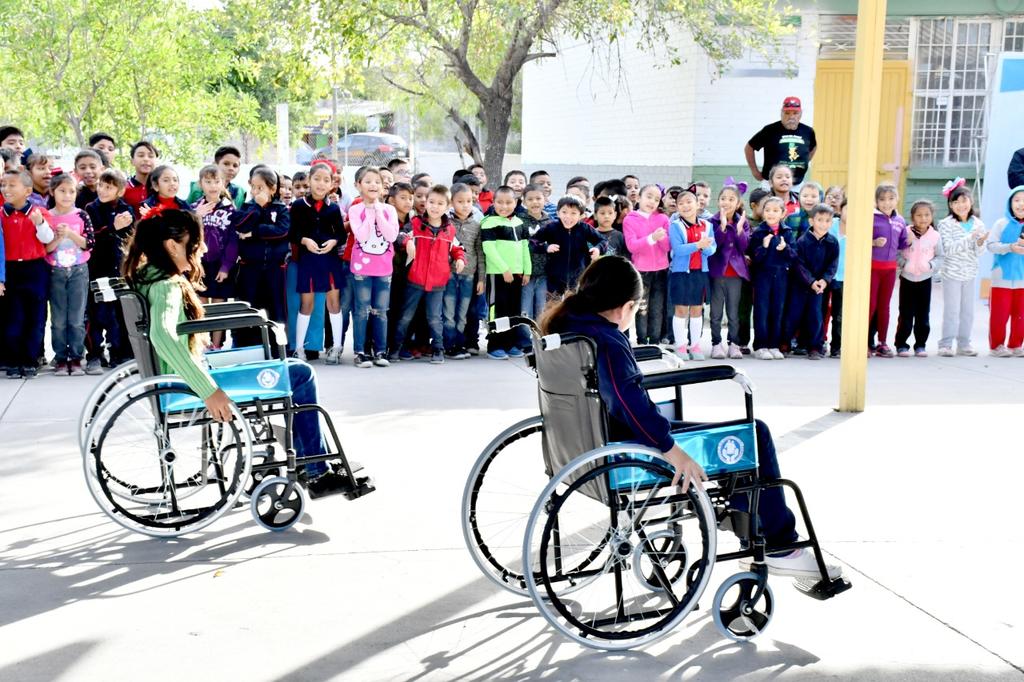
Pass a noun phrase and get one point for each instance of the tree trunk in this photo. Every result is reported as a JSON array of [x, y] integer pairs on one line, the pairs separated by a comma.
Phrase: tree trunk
[[498, 119], [76, 128]]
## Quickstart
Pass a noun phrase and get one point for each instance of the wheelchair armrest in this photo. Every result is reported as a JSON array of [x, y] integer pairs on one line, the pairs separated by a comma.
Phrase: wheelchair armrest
[[224, 322], [698, 375], [227, 308], [645, 353]]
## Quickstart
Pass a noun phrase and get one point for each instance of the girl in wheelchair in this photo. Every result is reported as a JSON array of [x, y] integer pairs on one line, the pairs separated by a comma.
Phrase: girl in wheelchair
[[163, 264], [602, 307]]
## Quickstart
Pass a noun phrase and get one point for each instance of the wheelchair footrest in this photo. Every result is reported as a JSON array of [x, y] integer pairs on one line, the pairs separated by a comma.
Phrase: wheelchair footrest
[[364, 486], [822, 589]]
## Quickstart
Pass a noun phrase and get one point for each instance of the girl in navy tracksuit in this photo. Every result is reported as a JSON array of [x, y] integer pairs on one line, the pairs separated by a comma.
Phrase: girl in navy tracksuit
[[771, 252], [603, 307], [262, 225]]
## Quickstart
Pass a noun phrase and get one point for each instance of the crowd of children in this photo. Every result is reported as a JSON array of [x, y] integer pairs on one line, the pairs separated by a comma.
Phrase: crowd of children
[[413, 266]]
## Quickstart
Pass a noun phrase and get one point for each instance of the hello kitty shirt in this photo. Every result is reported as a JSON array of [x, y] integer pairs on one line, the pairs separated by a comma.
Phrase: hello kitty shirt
[[375, 228]]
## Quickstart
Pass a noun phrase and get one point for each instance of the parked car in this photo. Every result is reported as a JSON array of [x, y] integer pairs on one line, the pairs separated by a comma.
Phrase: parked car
[[364, 148]]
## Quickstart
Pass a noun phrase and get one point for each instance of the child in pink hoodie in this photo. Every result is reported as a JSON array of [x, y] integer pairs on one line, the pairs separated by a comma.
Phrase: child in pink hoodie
[[917, 265], [646, 233], [374, 229]]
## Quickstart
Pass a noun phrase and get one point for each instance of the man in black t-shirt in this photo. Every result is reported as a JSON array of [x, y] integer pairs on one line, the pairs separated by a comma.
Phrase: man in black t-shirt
[[787, 141]]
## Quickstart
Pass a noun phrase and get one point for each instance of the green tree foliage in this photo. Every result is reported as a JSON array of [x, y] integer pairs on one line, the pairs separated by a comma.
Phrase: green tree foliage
[[423, 47], [166, 70]]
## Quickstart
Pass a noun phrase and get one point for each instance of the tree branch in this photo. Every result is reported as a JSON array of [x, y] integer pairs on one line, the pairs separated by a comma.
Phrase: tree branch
[[538, 55]]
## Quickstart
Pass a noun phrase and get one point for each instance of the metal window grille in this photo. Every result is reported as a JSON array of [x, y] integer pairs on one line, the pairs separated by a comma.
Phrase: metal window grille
[[1013, 36], [950, 84]]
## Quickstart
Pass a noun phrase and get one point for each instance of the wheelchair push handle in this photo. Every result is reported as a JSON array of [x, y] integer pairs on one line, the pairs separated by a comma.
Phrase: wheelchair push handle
[[504, 324]]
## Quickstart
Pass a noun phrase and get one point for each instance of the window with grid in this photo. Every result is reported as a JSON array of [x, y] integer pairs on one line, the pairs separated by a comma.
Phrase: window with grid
[[837, 34], [1013, 36], [950, 83]]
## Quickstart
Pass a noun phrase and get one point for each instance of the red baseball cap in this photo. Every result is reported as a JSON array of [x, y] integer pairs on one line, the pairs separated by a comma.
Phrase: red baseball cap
[[791, 103]]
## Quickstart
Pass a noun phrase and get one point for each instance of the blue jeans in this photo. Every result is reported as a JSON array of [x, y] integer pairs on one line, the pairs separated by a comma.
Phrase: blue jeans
[[372, 296], [69, 288], [434, 302], [306, 435], [778, 524], [535, 297], [457, 296]]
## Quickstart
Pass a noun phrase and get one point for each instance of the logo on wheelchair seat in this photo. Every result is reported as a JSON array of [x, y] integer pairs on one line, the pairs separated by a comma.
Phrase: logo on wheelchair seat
[[268, 378], [730, 450]]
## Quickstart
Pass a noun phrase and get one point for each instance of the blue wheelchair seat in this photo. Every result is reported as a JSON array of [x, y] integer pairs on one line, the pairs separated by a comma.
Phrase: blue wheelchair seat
[[244, 383], [719, 450]]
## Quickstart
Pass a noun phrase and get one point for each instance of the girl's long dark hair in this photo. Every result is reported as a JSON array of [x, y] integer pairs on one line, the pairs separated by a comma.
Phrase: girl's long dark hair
[[146, 248], [154, 178], [608, 283], [956, 194]]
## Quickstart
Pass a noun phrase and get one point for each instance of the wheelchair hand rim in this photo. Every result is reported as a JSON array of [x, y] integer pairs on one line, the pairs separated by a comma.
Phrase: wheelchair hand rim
[[539, 508]]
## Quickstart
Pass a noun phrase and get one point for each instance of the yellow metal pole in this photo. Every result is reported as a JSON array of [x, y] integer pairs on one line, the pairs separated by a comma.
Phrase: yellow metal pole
[[864, 105]]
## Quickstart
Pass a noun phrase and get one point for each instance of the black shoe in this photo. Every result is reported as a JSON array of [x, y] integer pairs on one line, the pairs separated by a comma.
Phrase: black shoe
[[328, 483], [834, 354], [29, 372], [312, 355], [14, 372], [745, 350], [796, 351]]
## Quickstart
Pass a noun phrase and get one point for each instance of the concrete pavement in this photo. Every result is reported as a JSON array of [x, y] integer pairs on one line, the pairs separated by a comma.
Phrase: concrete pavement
[[916, 497]]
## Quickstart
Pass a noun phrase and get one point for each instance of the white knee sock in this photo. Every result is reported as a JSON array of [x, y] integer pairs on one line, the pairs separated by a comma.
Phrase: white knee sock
[[695, 327], [336, 329], [301, 327], [679, 330]]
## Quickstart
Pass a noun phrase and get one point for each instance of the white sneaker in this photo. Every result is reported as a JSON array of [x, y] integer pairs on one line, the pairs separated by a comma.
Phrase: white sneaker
[[800, 563], [332, 356], [1018, 352], [1001, 352], [718, 352], [776, 354], [735, 352], [945, 352], [763, 354], [966, 351]]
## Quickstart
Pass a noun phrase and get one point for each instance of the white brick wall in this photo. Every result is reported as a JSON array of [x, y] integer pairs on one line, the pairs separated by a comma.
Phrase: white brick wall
[[574, 112], [734, 107], [660, 115]]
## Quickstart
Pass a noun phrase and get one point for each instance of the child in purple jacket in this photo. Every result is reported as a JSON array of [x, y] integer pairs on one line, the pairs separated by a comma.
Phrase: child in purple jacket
[[890, 236], [728, 269]]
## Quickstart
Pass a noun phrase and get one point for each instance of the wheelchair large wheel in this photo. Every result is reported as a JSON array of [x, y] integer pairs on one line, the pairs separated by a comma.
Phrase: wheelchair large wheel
[[638, 518], [499, 495], [122, 375], [164, 474]]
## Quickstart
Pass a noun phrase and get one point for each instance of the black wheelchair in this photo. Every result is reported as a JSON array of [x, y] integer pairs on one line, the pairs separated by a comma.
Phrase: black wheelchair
[[154, 460], [613, 556]]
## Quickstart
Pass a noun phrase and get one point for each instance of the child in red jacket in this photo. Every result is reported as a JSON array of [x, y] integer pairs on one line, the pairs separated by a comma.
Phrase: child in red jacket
[[25, 275], [433, 248]]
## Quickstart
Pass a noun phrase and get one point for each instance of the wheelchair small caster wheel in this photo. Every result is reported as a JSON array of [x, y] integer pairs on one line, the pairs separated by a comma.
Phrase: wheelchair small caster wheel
[[736, 615], [277, 503]]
